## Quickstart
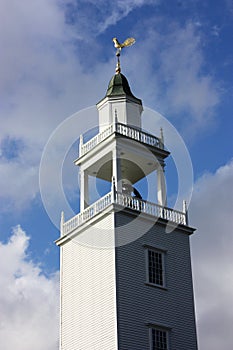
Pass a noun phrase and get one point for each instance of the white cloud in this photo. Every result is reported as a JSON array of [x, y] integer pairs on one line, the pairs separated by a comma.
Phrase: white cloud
[[211, 212], [43, 79], [179, 85], [42, 82], [188, 87], [28, 299], [102, 14], [121, 9], [18, 185]]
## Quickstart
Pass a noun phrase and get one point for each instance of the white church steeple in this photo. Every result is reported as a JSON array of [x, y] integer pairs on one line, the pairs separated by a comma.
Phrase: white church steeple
[[126, 282]]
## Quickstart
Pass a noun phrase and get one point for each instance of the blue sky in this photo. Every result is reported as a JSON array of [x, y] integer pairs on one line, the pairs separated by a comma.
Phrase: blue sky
[[57, 58]]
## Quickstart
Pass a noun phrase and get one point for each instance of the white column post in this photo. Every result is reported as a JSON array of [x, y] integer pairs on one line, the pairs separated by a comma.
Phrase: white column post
[[62, 222], [115, 122], [161, 138], [161, 186], [80, 145], [116, 169], [185, 211], [113, 190], [84, 191]]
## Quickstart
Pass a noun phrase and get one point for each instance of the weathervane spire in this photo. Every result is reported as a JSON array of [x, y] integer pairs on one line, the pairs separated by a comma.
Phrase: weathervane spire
[[119, 46]]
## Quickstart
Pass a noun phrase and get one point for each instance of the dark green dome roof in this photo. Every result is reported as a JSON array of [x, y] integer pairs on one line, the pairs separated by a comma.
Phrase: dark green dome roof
[[119, 86]]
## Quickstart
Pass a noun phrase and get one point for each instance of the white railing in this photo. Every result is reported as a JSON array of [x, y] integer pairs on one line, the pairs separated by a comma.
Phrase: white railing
[[87, 214], [151, 208], [138, 135], [86, 147], [125, 201], [124, 130]]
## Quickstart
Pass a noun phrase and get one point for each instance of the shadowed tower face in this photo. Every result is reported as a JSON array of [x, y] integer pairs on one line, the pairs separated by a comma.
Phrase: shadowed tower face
[[126, 281]]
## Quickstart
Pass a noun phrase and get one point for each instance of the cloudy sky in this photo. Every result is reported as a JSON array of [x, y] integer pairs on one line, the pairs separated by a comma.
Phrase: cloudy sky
[[57, 58]]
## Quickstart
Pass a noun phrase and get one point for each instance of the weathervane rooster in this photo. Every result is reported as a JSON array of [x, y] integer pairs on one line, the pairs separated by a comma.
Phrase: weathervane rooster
[[119, 46]]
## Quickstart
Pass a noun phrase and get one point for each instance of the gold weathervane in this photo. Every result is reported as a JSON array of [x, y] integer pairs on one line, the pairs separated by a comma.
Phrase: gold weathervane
[[119, 46]]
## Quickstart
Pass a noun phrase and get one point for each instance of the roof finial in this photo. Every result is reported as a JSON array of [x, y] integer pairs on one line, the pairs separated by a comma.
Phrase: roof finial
[[119, 46], [118, 65]]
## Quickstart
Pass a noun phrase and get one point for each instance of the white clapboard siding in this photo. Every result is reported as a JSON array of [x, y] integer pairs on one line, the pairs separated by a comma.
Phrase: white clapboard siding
[[88, 294]]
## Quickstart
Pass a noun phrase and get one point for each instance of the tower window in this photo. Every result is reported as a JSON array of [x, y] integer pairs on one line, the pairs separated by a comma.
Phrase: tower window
[[158, 339], [155, 267]]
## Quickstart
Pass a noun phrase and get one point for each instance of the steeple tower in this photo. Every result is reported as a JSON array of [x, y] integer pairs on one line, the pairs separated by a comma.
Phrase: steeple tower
[[125, 282]]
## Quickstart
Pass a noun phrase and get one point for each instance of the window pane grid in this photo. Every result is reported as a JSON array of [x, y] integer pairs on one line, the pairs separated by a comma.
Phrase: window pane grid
[[159, 339], [155, 262]]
